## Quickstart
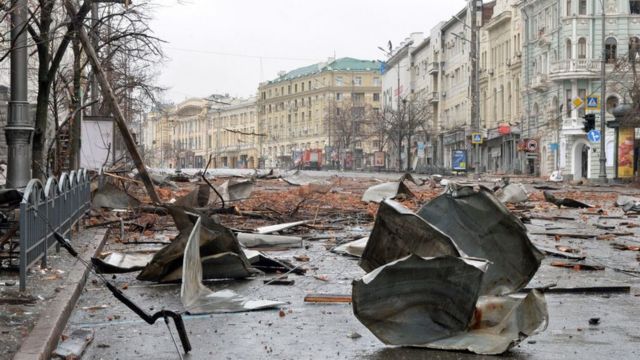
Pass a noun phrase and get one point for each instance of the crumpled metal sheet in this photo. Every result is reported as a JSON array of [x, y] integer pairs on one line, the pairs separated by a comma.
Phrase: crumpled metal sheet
[[628, 203], [198, 299], [118, 262], [500, 323], [414, 300], [353, 248], [512, 193], [197, 198], [277, 242], [299, 178], [482, 227], [389, 190], [234, 190], [214, 239], [398, 232], [279, 227], [112, 197]]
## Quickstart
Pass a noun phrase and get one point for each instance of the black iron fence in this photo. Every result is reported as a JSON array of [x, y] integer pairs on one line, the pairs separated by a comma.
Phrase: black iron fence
[[45, 209]]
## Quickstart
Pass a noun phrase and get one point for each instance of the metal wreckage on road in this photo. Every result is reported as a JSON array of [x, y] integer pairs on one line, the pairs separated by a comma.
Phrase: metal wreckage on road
[[448, 276]]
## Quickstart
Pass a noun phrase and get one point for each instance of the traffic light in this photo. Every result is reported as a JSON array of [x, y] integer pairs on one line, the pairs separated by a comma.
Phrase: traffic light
[[589, 122]]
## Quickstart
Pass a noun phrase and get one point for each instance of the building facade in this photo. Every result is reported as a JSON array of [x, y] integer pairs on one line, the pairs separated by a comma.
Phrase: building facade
[[233, 134], [563, 52], [300, 110], [499, 94]]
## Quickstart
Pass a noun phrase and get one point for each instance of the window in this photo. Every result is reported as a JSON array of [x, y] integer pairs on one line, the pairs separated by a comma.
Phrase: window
[[634, 49], [357, 98], [568, 104], [339, 81], [568, 49], [612, 102], [302, 86], [569, 8], [582, 7], [611, 47], [295, 88], [634, 6], [376, 81], [582, 48], [376, 96], [338, 96], [357, 81]]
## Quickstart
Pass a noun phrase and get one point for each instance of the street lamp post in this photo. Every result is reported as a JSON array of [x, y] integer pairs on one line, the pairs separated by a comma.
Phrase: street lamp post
[[603, 90]]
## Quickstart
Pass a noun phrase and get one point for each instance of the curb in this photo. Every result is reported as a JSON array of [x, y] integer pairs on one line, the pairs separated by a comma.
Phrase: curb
[[44, 336]]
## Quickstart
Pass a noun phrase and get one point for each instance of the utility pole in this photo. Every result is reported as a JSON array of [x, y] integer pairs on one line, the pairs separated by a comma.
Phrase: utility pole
[[475, 119], [19, 127], [603, 91]]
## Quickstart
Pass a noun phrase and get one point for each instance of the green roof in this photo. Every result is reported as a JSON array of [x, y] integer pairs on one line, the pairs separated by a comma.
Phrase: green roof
[[342, 64]]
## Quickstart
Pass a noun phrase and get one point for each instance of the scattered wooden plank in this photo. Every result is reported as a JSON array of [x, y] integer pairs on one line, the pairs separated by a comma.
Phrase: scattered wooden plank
[[327, 298]]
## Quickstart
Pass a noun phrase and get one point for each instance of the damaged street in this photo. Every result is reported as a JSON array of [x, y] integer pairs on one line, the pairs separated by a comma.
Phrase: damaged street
[[285, 268]]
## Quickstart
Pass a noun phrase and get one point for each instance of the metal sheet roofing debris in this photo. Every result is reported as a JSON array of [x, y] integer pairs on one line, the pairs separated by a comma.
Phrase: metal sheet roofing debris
[[198, 299], [279, 227]]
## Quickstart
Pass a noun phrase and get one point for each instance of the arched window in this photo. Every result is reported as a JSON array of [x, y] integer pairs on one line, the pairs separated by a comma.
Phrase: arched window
[[611, 49], [582, 48], [634, 49], [568, 49], [534, 119]]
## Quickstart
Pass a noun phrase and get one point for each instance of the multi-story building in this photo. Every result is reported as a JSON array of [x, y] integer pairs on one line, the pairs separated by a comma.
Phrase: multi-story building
[[499, 95], [298, 111], [190, 124], [403, 81], [233, 134], [562, 57], [157, 138]]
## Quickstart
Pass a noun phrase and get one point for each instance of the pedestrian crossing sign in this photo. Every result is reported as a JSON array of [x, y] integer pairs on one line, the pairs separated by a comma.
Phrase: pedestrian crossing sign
[[476, 138], [593, 103]]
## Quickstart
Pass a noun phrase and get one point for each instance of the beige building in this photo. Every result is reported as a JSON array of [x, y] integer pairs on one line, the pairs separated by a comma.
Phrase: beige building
[[500, 89], [296, 109], [157, 138], [233, 134]]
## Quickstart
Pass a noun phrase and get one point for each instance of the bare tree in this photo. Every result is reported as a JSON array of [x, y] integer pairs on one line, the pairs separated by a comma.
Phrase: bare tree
[[52, 30], [348, 123], [404, 123]]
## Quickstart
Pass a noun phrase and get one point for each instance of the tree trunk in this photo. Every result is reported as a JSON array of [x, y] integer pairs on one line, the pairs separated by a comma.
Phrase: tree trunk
[[399, 151], [39, 135], [74, 133], [409, 152]]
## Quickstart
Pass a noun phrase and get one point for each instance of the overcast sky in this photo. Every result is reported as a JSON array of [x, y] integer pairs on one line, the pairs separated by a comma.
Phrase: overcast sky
[[230, 46]]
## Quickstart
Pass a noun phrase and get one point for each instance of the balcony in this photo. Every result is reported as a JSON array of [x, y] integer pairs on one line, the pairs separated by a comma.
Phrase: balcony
[[540, 82], [435, 67], [434, 97], [575, 69]]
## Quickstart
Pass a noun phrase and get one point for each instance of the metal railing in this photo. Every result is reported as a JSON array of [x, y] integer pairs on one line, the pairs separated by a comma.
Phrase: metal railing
[[54, 207]]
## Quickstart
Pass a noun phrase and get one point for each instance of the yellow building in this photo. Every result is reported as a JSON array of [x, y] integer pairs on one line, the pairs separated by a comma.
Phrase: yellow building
[[233, 134], [297, 112]]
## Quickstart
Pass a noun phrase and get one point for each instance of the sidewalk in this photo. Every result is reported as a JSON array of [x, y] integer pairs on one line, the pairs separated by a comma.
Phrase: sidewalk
[[31, 322]]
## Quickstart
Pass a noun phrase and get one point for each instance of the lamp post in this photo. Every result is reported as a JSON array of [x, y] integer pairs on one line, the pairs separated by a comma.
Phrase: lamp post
[[603, 90]]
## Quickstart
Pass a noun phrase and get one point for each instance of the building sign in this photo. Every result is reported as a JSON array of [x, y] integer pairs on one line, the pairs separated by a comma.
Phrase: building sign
[[626, 139], [504, 129], [378, 159], [421, 152], [459, 160]]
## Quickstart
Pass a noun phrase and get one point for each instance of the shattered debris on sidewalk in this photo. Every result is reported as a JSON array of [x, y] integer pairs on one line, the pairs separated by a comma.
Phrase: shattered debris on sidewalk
[[447, 265]]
